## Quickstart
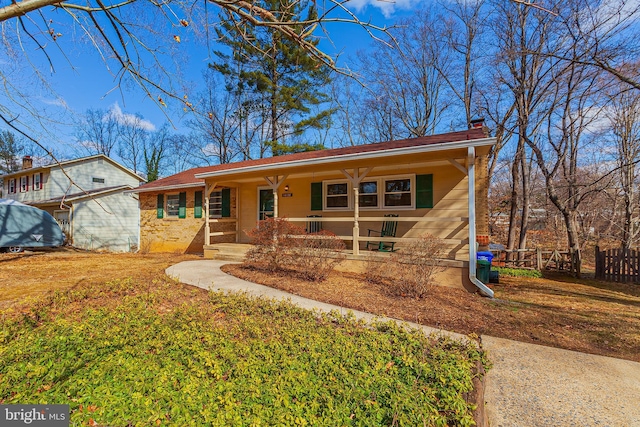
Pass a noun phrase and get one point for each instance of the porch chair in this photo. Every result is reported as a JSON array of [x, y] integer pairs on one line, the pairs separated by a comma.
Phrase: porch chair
[[314, 226], [388, 229]]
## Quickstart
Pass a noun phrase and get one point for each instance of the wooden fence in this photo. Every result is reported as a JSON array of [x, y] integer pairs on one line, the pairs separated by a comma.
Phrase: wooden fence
[[536, 259], [618, 265]]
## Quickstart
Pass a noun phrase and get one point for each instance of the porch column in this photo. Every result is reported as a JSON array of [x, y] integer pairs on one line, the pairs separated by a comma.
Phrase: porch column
[[355, 180], [356, 226], [207, 226]]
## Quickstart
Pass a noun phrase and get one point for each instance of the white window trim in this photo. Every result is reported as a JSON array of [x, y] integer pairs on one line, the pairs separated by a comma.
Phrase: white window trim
[[39, 186], [381, 192], [166, 206], [15, 184], [372, 208], [325, 194], [24, 188], [412, 185]]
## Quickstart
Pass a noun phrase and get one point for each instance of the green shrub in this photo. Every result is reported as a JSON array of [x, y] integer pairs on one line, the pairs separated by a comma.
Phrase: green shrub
[[165, 356], [517, 272]]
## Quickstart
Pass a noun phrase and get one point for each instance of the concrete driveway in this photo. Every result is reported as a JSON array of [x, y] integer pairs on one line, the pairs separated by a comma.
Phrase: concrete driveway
[[529, 385]]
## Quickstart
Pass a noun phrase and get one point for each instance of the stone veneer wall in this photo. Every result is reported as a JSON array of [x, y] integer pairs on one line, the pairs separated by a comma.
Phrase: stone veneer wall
[[184, 235], [169, 234]]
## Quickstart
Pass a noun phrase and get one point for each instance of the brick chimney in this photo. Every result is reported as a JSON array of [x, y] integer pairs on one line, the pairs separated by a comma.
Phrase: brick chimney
[[27, 162], [477, 123]]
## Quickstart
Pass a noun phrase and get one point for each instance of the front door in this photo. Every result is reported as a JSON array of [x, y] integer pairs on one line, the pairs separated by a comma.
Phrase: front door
[[265, 204]]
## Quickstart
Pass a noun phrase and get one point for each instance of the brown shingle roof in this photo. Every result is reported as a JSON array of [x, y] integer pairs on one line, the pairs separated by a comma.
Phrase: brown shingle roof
[[187, 178]]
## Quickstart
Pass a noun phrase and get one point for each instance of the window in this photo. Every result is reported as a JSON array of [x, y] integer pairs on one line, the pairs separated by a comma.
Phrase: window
[[337, 195], [37, 181], [24, 184], [368, 194], [397, 193], [12, 186], [98, 180], [384, 192], [215, 204], [173, 205]]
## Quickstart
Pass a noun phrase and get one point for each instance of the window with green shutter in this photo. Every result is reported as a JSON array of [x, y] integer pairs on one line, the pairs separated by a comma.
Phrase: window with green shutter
[[160, 206], [316, 196], [424, 191], [182, 205], [197, 205], [226, 202]]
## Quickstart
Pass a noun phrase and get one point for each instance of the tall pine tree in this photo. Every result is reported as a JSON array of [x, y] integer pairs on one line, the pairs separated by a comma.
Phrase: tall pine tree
[[274, 76]]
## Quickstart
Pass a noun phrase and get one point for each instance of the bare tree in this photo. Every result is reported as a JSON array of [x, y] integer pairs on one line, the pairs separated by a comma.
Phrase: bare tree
[[463, 30], [97, 132], [406, 87], [623, 113], [133, 133], [524, 37]]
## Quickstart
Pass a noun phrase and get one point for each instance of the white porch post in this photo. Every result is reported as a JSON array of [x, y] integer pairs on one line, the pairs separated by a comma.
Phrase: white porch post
[[356, 225], [355, 183], [207, 226]]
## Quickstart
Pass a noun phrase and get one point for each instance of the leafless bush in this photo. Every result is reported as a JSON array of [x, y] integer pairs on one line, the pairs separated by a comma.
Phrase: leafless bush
[[282, 246], [411, 270], [271, 243], [315, 256]]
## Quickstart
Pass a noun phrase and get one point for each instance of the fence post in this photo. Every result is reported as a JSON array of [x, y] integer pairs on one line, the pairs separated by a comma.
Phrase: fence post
[[538, 259]]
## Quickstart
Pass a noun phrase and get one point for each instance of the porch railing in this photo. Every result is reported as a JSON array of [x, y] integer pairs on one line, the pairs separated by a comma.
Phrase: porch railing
[[210, 234], [357, 238]]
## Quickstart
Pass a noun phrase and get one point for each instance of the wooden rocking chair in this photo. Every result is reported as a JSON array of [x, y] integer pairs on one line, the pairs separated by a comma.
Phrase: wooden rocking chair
[[389, 228]]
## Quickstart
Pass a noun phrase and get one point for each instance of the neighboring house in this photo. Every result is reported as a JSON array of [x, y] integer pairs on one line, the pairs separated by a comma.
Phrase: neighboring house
[[86, 196], [424, 180]]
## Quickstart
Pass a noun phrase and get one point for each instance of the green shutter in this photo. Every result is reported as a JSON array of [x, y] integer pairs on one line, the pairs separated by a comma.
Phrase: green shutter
[[197, 207], [424, 191], [182, 205], [226, 202], [160, 206], [316, 196]]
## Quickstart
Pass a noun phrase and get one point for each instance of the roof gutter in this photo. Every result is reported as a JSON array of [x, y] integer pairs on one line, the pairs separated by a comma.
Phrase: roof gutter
[[472, 143], [484, 289], [166, 187]]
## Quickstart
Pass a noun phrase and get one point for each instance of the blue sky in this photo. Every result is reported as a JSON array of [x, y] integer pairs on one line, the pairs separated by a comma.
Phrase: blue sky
[[81, 80]]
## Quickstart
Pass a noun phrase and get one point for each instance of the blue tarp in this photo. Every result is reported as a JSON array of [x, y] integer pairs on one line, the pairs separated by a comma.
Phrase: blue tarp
[[27, 226]]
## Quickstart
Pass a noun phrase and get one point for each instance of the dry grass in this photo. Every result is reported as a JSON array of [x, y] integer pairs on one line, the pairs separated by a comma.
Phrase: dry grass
[[586, 315], [31, 274]]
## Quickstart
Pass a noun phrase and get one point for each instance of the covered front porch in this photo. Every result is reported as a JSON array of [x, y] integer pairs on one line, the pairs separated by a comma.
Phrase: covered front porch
[[426, 194]]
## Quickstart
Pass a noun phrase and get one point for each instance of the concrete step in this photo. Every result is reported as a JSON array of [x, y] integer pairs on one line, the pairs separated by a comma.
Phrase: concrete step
[[226, 251]]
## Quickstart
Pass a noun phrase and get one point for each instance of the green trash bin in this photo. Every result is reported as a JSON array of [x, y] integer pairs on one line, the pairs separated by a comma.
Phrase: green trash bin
[[484, 270]]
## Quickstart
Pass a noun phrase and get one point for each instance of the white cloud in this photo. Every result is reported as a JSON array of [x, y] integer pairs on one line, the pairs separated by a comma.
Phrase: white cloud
[[386, 7], [130, 119], [57, 102]]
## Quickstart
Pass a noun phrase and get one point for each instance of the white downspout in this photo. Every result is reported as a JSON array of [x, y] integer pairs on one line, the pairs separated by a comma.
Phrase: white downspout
[[471, 166]]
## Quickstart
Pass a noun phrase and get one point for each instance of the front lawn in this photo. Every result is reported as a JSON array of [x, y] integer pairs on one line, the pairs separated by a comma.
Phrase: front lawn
[[558, 311], [155, 352]]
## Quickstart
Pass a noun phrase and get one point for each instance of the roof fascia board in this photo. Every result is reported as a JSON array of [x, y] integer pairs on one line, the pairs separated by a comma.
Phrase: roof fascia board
[[64, 163], [82, 196], [447, 146], [166, 187]]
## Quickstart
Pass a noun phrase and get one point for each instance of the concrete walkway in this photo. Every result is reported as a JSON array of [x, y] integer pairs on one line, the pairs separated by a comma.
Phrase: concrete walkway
[[528, 386]]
